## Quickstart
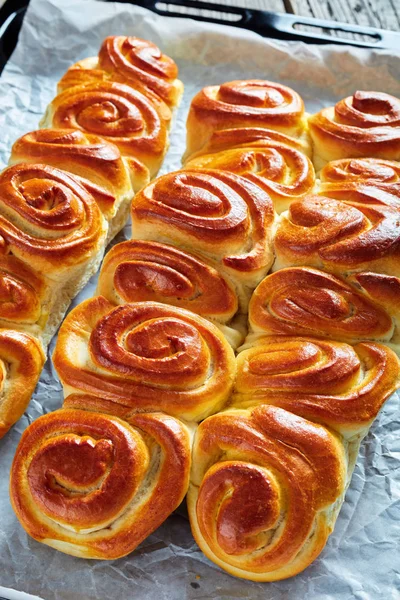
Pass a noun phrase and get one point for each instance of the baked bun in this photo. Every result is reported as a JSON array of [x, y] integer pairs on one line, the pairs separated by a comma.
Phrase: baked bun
[[94, 486], [265, 490], [305, 301], [130, 60], [324, 233], [365, 124], [136, 271], [147, 356], [122, 115], [274, 162], [251, 103], [219, 215], [21, 362], [48, 219], [322, 380], [362, 181]]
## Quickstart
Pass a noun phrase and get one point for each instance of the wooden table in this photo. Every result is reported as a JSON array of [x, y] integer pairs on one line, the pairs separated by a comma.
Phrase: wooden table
[[384, 14]]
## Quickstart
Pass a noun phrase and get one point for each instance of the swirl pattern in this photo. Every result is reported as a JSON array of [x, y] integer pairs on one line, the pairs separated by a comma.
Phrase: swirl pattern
[[142, 63], [94, 486], [323, 380], [321, 232], [276, 163], [305, 301], [21, 361], [251, 103], [145, 355], [362, 181], [48, 217], [365, 124], [136, 271], [265, 490], [118, 113], [219, 214], [22, 292], [97, 163]]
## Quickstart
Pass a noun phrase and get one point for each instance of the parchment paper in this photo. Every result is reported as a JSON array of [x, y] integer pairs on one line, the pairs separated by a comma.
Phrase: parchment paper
[[361, 560]]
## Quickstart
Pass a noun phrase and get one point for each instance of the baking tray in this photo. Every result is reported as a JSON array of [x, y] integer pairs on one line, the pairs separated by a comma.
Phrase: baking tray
[[268, 24]]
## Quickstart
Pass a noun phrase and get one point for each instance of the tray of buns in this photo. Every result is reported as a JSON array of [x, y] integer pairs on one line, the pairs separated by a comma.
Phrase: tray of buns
[[199, 293]]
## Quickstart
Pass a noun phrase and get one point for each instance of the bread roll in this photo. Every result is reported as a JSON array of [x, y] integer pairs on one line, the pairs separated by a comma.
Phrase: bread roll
[[94, 486], [136, 271], [97, 164], [122, 115], [147, 356], [21, 362], [324, 233], [273, 161], [362, 181], [306, 301], [322, 380], [365, 124], [265, 490], [219, 215], [130, 60], [251, 103]]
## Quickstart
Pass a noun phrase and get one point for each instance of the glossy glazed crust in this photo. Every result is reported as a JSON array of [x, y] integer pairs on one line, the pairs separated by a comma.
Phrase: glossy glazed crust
[[21, 362], [265, 490], [322, 380], [249, 103], [220, 215], [147, 356], [93, 486], [275, 162], [365, 124], [136, 271]]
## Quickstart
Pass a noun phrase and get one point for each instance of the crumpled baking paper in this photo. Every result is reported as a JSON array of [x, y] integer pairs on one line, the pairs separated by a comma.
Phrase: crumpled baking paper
[[361, 560]]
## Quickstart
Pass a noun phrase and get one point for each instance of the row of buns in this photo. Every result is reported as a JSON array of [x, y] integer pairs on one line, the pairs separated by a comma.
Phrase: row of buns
[[67, 193], [157, 403]]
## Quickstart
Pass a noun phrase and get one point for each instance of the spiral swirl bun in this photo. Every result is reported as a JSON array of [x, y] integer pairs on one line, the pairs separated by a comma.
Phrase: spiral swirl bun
[[135, 271], [321, 232], [365, 124], [141, 63], [21, 361], [263, 490], [252, 103], [118, 113], [145, 355], [95, 161], [323, 380], [48, 217], [362, 181], [218, 214], [305, 301], [94, 486], [281, 169]]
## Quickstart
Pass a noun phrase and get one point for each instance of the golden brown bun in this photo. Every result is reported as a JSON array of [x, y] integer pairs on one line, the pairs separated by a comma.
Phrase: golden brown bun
[[324, 233], [48, 219], [95, 161], [147, 356], [130, 60], [322, 380], [219, 215], [21, 362], [122, 115], [136, 271], [365, 124], [306, 301], [94, 486], [265, 490], [274, 161], [362, 181], [252, 103]]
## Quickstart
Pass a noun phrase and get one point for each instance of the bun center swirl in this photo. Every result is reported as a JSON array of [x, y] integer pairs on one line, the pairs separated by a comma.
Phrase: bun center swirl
[[368, 109]]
